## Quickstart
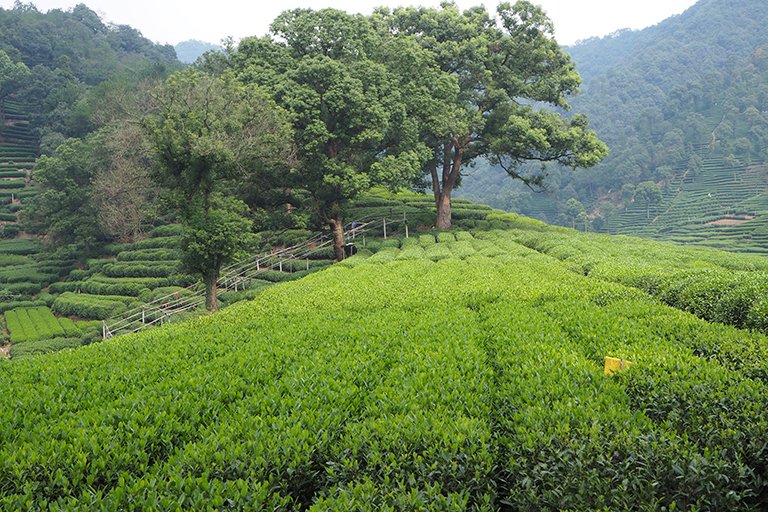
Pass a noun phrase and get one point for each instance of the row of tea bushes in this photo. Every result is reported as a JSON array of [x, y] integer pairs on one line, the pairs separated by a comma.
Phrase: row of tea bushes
[[456, 384], [32, 324], [715, 285]]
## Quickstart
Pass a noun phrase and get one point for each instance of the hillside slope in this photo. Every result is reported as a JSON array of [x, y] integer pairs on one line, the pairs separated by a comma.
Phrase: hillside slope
[[445, 371], [681, 104]]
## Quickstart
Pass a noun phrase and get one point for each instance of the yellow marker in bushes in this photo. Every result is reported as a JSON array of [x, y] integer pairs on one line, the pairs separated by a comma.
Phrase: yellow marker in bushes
[[613, 365]]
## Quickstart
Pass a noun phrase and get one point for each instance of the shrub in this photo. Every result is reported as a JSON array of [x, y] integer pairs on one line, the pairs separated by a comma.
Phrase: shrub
[[163, 242], [19, 246], [89, 306], [7, 306], [44, 346], [167, 230], [26, 273], [159, 254], [22, 288], [140, 269]]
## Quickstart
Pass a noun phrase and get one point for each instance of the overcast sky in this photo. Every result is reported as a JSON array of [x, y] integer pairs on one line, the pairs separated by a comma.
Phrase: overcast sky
[[172, 21]]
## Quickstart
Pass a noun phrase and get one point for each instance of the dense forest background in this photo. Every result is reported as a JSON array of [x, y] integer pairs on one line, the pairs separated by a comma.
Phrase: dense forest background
[[682, 105], [71, 56]]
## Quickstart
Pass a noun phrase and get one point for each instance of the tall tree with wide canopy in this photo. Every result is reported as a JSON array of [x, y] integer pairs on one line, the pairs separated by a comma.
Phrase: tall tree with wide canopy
[[350, 120], [209, 134], [513, 80]]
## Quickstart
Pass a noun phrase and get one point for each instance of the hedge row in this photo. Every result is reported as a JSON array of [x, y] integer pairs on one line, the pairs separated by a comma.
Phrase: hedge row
[[140, 269], [21, 288], [27, 273], [714, 285], [90, 306], [12, 183], [20, 246], [36, 323], [102, 285], [44, 346], [167, 230], [7, 306], [162, 242], [159, 254], [471, 384]]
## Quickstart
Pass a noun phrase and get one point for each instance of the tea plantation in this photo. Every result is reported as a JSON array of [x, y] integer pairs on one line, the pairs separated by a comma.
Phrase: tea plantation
[[446, 371]]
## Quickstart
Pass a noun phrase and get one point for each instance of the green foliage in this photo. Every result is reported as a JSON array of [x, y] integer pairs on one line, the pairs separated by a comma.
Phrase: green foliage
[[19, 247], [711, 284], [155, 254], [209, 133], [12, 77], [484, 66], [68, 52], [680, 105], [37, 323], [8, 260], [25, 274], [64, 209], [349, 111], [7, 306], [44, 346], [140, 269], [84, 305], [461, 384]]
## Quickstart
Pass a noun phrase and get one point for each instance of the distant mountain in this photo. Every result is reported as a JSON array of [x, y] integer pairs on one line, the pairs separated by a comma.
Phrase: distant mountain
[[189, 51], [69, 53], [681, 104], [76, 39]]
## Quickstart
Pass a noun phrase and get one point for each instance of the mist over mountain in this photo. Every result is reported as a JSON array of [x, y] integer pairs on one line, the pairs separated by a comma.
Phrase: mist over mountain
[[188, 51]]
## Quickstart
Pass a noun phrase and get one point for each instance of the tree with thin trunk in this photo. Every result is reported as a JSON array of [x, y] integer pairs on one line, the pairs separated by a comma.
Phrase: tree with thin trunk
[[208, 135], [512, 83]]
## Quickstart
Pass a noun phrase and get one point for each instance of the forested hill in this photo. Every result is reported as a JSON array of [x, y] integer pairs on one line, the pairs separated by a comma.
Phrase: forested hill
[[67, 52], [673, 101]]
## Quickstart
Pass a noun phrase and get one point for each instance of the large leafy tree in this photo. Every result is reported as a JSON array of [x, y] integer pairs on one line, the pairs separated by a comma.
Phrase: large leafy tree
[[351, 122], [209, 134], [64, 210], [512, 81]]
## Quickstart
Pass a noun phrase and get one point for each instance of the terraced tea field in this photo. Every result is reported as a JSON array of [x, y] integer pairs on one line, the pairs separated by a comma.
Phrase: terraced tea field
[[18, 150], [446, 371], [722, 207]]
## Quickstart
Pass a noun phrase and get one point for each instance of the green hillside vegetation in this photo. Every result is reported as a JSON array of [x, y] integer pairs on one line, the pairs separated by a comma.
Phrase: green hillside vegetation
[[682, 105], [68, 53], [18, 150], [365, 360], [445, 371]]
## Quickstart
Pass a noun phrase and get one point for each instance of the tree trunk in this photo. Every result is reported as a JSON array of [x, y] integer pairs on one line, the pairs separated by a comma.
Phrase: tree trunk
[[444, 210], [337, 228], [453, 153], [211, 292]]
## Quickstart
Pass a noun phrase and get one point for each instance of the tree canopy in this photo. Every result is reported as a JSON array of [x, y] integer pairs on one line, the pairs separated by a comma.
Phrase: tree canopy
[[346, 106], [507, 70], [209, 134]]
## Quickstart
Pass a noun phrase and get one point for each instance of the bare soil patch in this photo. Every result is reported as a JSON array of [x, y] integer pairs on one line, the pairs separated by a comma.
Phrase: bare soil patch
[[730, 221]]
